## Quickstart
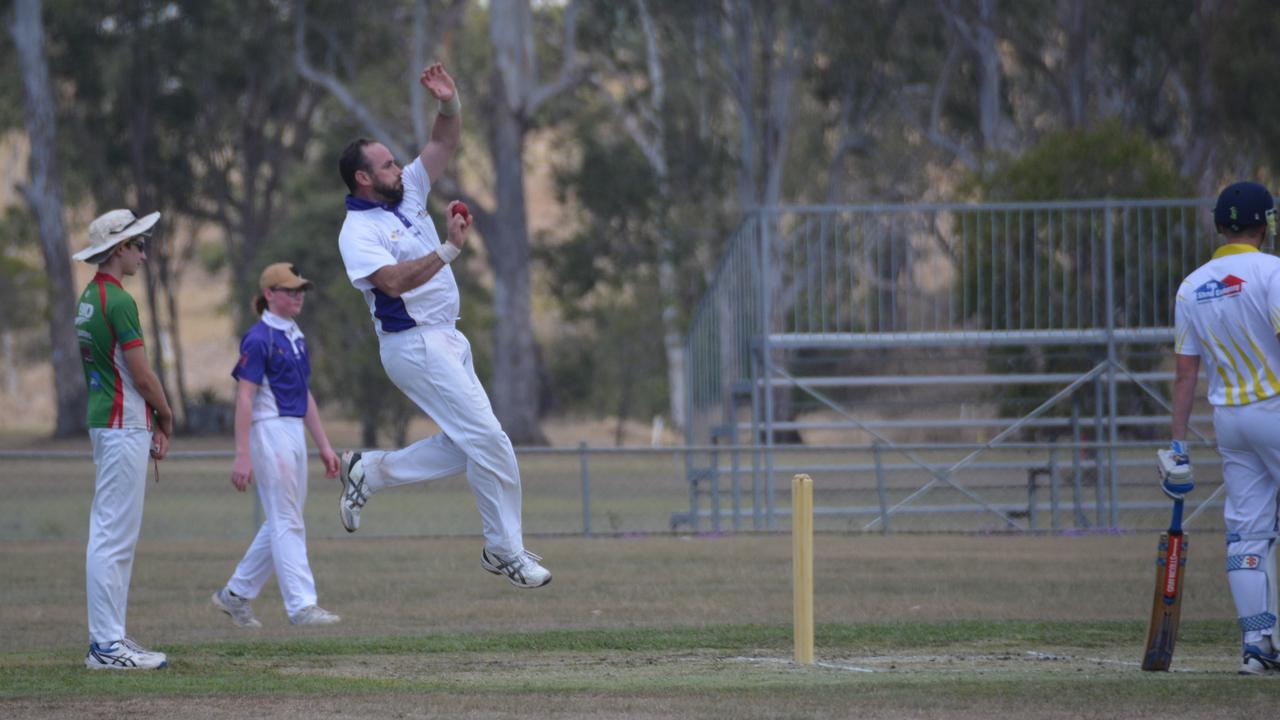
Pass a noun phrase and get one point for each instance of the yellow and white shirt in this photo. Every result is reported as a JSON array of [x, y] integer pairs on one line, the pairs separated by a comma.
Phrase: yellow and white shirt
[[1228, 313]]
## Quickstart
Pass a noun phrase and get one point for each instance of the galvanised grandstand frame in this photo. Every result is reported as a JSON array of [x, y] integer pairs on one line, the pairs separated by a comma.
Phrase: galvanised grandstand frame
[[1074, 298]]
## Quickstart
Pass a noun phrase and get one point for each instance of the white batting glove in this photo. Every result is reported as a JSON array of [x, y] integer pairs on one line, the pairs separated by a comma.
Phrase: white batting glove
[[1175, 470]]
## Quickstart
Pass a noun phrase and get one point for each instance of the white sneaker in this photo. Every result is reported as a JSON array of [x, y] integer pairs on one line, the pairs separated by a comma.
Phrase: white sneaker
[[355, 493], [523, 571], [314, 615], [237, 607], [123, 655], [1260, 658]]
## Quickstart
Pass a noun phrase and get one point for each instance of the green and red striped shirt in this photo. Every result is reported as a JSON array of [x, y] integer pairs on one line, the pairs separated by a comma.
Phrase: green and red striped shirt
[[107, 325]]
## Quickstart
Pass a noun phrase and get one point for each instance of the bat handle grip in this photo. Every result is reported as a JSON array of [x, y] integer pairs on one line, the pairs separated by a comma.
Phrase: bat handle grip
[[1175, 524]]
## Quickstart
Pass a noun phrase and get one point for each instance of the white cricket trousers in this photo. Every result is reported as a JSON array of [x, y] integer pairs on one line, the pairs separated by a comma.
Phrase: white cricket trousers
[[433, 367], [120, 457], [278, 452], [1249, 441]]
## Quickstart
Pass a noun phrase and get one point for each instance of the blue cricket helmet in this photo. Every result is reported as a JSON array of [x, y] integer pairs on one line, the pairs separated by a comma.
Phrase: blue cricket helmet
[[1243, 205]]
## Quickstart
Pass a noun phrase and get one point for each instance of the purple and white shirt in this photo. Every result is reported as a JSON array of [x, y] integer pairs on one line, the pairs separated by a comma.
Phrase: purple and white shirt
[[273, 354], [376, 235]]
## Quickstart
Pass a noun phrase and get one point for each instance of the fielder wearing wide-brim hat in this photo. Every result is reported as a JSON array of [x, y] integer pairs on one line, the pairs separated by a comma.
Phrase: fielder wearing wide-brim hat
[[112, 228]]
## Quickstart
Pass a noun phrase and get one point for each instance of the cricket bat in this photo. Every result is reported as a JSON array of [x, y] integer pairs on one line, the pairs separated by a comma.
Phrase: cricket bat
[[1166, 607]]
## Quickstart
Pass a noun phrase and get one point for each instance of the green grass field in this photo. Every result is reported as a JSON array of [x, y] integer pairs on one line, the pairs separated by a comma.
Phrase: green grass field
[[654, 627]]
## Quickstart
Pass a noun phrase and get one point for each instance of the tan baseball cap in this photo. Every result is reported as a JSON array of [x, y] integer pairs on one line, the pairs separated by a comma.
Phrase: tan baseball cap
[[282, 275], [112, 228]]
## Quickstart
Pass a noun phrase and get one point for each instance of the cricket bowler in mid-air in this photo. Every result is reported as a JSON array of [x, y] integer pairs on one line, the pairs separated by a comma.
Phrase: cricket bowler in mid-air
[[1228, 316], [393, 254]]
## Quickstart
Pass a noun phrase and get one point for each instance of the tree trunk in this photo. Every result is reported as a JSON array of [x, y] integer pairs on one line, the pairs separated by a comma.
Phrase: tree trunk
[[1202, 145], [44, 195], [653, 145], [1077, 80], [989, 79], [179, 361], [514, 387], [764, 137]]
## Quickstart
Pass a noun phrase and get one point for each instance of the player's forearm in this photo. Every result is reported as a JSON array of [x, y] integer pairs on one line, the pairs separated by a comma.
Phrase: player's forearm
[[148, 386], [1184, 389], [243, 421], [395, 280], [312, 422], [446, 135]]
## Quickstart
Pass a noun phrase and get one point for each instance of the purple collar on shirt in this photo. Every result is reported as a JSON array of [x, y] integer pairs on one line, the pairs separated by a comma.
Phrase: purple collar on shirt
[[359, 204]]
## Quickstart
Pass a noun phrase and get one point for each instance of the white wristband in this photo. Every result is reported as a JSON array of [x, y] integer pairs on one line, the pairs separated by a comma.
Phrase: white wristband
[[448, 251], [451, 108]]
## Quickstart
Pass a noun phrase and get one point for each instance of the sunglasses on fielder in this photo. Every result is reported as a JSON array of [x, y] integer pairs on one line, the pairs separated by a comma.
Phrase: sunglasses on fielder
[[291, 292]]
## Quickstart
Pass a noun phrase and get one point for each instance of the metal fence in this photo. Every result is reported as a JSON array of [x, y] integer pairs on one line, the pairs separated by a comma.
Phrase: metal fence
[[636, 491], [818, 313]]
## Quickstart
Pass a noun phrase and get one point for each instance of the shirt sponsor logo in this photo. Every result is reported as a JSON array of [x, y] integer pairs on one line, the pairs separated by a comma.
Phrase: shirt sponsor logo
[[1216, 289], [84, 313]]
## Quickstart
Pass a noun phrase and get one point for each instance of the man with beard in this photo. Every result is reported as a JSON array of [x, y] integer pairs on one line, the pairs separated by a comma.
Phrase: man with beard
[[393, 254]]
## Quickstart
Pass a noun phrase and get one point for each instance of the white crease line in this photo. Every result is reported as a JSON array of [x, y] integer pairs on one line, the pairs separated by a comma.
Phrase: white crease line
[[848, 668], [952, 658], [1101, 661], [781, 661]]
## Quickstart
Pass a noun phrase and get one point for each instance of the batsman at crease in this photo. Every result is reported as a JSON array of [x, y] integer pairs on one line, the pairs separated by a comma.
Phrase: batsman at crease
[[1227, 317]]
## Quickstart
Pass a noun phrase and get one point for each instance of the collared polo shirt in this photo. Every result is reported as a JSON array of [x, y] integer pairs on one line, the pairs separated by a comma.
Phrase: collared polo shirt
[[1228, 313], [107, 325], [376, 235], [273, 354]]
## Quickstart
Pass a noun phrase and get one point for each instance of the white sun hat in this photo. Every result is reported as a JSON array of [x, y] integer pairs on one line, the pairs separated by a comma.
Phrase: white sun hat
[[112, 228]]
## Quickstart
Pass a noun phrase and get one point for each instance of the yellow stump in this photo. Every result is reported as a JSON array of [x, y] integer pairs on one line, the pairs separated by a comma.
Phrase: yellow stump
[[802, 565]]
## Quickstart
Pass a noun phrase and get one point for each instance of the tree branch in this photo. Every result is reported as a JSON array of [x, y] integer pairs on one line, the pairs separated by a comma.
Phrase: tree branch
[[934, 130], [341, 93], [572, 72]]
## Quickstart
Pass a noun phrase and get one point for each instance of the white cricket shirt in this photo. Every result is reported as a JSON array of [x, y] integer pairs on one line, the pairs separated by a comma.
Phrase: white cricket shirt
[[1228, 313], [376, 235]]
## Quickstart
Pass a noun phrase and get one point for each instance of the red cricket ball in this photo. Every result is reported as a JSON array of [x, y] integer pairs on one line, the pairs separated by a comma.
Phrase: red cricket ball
[[459, 208]]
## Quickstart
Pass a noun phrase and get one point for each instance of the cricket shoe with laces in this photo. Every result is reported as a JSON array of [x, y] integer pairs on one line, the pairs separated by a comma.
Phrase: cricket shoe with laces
[[524, 570], [1260, 659], [123, 655], [355, 493], [314, 615], [237, 607]]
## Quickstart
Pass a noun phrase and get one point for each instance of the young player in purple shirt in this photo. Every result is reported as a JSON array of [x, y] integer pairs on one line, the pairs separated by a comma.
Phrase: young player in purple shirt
[[273, 406]]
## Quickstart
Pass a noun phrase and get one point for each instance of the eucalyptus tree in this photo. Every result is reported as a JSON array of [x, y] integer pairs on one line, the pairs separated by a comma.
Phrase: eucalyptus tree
[[44, 196]]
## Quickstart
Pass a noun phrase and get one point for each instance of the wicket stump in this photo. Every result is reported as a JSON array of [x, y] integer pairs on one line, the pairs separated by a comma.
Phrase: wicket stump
[[802, 566]]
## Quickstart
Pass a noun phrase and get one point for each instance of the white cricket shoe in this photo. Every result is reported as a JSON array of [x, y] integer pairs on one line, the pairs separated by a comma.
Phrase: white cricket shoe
[[314, 615], [355, 493], [123, 655], [1260, 659], [524, 571], [237, 607]]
